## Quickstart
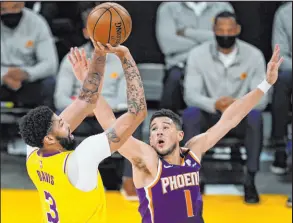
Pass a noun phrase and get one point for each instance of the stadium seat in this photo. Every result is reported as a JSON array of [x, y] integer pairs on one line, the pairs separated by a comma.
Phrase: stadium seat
[[224, 164], [152, 76]]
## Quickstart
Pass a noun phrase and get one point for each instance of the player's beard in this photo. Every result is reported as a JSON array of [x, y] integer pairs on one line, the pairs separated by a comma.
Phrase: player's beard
[[169, 151], [66, 142]]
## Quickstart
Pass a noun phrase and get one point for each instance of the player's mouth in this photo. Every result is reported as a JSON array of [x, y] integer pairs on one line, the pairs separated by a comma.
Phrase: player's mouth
[[161, 143]]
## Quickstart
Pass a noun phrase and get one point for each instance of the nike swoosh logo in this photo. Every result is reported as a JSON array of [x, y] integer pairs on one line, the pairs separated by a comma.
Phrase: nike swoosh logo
[[167, 166]]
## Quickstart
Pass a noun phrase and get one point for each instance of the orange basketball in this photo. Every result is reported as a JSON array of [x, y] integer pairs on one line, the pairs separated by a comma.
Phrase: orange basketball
[[109, 23]]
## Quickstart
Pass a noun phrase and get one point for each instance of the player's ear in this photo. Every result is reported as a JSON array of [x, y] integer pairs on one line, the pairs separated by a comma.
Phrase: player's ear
[[180, 135], [49, 140]]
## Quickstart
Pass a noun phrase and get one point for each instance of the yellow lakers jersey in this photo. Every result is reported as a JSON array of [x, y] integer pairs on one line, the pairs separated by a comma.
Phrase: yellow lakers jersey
[[61, 201]]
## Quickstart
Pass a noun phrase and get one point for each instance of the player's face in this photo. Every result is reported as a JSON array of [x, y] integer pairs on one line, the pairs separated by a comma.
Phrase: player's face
[[164, 136], [61, 132]]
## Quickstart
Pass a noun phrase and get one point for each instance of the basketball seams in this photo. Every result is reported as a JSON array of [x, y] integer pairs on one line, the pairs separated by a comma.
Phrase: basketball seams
[[97, 22], [123, 9], [122, 23], [102, 17], [110, 25]]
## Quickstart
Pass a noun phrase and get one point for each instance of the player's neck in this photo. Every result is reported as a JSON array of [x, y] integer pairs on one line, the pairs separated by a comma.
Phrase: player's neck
[[52, 148], [174, 158]]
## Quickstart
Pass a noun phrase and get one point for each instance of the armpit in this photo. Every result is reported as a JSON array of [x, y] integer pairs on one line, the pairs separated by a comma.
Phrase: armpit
[[140, 165]]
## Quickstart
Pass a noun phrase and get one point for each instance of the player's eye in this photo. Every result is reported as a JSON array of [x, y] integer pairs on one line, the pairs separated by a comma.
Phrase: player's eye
[[155, 128], [166, 127]]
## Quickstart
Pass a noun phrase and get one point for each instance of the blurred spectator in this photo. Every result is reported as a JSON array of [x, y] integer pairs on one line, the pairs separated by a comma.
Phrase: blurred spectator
[[28, 56], [114, 91], [217, 73], [65, 24], [282, 35], [180, 26], [29, 60]]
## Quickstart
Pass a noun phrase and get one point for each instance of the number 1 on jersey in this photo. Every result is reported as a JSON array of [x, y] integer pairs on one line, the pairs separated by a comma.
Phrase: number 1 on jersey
[[188, 201]]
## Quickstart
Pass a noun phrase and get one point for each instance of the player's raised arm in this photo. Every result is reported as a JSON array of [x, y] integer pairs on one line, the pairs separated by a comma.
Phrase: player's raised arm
[[125, 125], [75, 113], [236, 111], [104, 112]]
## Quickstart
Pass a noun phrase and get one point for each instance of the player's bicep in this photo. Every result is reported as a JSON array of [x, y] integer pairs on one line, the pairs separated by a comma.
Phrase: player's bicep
[[93, 150], [132, 149], [202, 143]]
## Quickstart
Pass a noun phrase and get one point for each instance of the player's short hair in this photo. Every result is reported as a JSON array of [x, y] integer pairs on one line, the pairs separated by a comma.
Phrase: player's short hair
[[225, 14], [35, 125], [168, 113]]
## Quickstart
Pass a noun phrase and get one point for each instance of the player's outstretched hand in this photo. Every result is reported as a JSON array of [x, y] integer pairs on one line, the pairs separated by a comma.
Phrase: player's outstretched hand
[[80, 64], [273, 66]]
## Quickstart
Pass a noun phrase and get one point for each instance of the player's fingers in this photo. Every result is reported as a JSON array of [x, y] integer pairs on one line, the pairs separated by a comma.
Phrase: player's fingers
[[276, 53], [83, 57], [94, 43], [73, 57], [280, 62], [101, 46], [88, 63], [111, 48], [77, 54], [70, 59]]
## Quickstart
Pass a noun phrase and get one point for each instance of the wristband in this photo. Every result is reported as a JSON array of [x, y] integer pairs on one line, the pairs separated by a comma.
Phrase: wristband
[[264, 86]]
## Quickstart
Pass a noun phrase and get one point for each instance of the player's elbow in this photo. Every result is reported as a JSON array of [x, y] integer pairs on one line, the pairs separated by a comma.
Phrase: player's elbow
[[139, 116], [143, 114]]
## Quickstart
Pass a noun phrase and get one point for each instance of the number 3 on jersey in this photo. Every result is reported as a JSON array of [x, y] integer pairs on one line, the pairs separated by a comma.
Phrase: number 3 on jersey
[[52, 216], [188, 201]]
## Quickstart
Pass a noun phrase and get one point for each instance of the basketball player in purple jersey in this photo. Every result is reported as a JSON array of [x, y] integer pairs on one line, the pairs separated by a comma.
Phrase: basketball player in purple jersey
[[165, 175]]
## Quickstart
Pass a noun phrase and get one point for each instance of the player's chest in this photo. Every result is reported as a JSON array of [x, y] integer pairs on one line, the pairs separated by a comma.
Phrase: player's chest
[[177, 178]]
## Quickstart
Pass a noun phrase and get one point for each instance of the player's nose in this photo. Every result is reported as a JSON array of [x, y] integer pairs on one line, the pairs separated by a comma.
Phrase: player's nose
[[159, 132]]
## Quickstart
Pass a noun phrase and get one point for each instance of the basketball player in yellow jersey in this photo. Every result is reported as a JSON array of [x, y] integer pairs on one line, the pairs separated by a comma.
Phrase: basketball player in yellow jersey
[[69, 185]]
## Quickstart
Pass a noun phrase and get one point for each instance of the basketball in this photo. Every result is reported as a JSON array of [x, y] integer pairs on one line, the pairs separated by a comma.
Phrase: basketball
[[109, 23]]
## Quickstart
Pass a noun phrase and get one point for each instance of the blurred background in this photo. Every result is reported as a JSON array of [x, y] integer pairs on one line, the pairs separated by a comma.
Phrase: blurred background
[[187, 64]]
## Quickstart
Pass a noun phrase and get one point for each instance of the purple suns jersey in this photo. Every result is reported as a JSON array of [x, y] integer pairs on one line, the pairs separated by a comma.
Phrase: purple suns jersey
[[174, 196]]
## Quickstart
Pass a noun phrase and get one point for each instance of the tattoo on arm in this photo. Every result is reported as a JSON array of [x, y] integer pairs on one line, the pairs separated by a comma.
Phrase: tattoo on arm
[[135, 92], [90, 88], [91, 85], [112, 136]]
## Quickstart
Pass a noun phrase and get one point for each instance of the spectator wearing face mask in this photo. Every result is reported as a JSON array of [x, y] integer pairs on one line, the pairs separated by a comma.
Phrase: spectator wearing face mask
[[29, 61], [28, 57], [217, 73], [180, 26]]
